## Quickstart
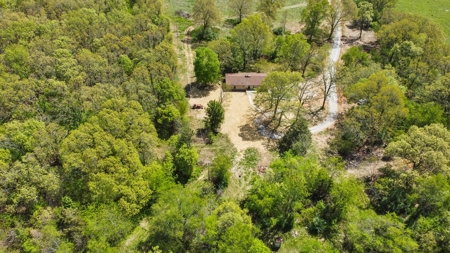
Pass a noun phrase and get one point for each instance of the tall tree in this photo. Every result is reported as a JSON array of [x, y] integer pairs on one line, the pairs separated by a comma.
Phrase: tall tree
[[240, 8], [252, 37], [427, 148], [297, 139], [270, 7], [206, 66], [313, 16], [206, 13], [339, 11], [276, 97], [365, 15], [215, 115], [293, 50]]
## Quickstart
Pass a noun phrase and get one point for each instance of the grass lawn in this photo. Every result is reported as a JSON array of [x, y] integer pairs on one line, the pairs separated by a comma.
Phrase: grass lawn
[[436, 10]]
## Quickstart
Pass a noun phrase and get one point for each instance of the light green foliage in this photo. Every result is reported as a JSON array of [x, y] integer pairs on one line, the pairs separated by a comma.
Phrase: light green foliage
[[376, 120], [26, 183], [415, 46], [215, 114], [293, 50], [18, 59], [177, 220], [427, 148], [206, 13], [105, 227], [220, 170], [185, 161], [312, 16], [223, 49], [276, 97], [370, 232], [127, 64], [240, 8], [258, 247], [305, 243], [365, 15], [439, 92], [19, 137], [206, 66], [339, 11], [19, 98], [229, 229], [251, 158], [270, 7], [273, 202], [355, 57], [105, 156], [252, 37], [432, 234], [92, 67]]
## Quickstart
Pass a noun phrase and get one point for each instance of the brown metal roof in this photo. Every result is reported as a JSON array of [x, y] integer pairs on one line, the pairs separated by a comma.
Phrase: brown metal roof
[[253, 79]]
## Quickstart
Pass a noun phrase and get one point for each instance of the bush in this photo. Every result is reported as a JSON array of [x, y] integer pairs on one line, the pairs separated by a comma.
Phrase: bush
[[211, 33]]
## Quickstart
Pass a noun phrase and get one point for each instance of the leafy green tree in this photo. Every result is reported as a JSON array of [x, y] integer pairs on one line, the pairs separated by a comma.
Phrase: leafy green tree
[[105, 226], [240, 8], [365, 15], [313, 16], [355, 56], [297, 139], [439, 92], [26, 183], [380, 5], [206, 66], [426, 148], [252, 37], [185, 161], [225, 53], [206, 13], [229, 229], [177, 219], [215, 114], [219, 172], [371, 232], [106, 155], [270, 7], [276, 97], [18, 59], [390, 192], [375, 121], [293, 50], [339, 11]]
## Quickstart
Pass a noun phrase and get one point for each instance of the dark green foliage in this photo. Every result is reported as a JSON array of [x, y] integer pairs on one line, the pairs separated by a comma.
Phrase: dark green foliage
[[206, 66], [355, 57], [215, 114], [219, 172], [297, 139]]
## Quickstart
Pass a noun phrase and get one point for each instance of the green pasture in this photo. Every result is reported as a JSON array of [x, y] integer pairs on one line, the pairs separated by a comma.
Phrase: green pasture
[[186, 5], [436, 10]]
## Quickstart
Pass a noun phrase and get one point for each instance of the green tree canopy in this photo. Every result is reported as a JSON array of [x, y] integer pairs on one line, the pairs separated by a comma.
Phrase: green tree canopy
[[206, 13], [206, 66], [426, 148], [215, 114], [253, 37]]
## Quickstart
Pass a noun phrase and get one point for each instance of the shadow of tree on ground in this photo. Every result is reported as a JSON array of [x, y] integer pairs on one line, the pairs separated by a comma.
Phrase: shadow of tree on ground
[[194, 90]]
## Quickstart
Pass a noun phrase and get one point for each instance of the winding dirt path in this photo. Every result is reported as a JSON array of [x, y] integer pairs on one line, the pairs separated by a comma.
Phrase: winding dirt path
[[187, 48]]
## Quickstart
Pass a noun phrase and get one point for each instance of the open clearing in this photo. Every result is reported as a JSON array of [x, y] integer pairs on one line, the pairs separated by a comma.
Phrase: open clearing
[[436, 10]]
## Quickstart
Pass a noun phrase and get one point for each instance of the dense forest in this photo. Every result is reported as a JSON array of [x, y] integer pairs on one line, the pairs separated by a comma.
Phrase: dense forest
[[96, 145]]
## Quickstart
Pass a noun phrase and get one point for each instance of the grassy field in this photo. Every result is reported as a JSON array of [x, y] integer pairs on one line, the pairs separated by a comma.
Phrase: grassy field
[[436, 10]]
